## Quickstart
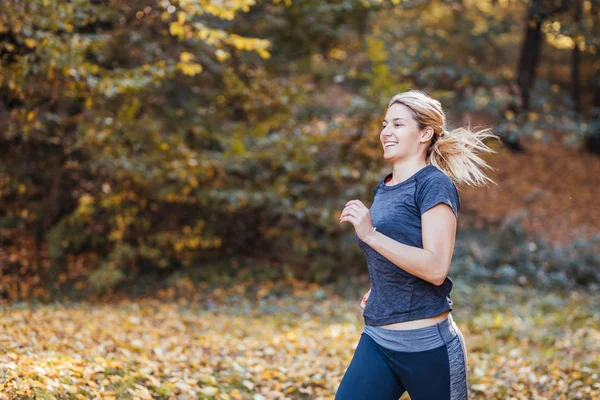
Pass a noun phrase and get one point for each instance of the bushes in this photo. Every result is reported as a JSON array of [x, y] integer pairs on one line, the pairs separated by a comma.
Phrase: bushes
[[509, 255]]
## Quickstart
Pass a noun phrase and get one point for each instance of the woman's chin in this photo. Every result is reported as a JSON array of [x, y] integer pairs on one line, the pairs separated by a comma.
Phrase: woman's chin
[[388, 155]]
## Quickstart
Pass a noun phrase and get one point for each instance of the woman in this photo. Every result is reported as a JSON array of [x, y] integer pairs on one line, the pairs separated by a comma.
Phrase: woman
[[410, 341]]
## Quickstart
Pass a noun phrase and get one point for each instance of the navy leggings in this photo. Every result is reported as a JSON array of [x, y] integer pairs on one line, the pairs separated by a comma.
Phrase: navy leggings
[[437, 370]]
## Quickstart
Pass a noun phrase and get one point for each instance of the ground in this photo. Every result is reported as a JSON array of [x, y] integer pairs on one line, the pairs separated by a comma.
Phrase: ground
[[284, 340]]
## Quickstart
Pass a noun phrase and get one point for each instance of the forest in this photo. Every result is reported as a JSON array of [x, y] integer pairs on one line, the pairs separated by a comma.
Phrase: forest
[[171, 171]]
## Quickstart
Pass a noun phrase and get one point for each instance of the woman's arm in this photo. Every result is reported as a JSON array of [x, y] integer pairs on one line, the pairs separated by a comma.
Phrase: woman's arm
[[432, 262]]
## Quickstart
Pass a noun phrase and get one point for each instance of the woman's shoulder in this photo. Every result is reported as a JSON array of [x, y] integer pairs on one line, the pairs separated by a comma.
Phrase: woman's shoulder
[[434, 175], [434, 180], [434, 187]]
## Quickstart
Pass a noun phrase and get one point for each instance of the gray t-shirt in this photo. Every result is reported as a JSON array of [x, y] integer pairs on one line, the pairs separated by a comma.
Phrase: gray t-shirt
[[396, 295]]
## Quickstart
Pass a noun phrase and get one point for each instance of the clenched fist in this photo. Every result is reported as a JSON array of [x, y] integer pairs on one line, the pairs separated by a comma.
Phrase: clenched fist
[[358, 215]]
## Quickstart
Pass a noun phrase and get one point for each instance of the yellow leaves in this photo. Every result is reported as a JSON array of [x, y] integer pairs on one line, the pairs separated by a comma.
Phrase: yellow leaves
[[533, 116], [177, 29], [141, 393], [192, 238], [187, 66], [95, 69], [237, 146], [480, 387], [190, 69], [338, 54], [209, 390], [243, 43], [186, 57], [223, 10], [204, 33], [376, 50], [248, 384], [186, 27], [85, 207], [209, 379], [172, 197], [30, 43], [222, 55], [275, 347], [481, 26], [560, 41], [263, 53], [191, 243]]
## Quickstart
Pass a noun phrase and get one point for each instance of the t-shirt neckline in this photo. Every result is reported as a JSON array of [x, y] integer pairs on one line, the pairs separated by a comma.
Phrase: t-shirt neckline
[[404, 182]]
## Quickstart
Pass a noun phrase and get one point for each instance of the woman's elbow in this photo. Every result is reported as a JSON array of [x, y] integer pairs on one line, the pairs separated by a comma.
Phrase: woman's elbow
[[439, 281], [440, 277]]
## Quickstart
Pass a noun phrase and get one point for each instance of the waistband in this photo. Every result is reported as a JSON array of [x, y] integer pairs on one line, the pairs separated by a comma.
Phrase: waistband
[[413, 340]]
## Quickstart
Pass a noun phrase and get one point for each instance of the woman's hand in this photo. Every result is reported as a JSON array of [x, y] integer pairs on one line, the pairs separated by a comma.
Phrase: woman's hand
[[363, 302], [358, 215]]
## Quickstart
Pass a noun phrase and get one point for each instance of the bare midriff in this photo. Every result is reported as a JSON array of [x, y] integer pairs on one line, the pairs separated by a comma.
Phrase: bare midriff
[[418, 323]]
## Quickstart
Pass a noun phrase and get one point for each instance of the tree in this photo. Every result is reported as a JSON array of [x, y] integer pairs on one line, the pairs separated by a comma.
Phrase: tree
[[537, 13]]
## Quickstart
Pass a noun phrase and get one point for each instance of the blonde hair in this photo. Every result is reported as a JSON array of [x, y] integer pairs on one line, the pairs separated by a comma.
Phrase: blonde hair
[[453, 152]]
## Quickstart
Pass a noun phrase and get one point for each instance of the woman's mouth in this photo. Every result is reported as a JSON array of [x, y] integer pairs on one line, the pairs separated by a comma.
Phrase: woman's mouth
[[389, 144]]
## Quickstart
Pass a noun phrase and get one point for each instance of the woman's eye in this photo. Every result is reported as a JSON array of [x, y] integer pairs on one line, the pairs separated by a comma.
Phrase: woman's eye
[[398, 125]]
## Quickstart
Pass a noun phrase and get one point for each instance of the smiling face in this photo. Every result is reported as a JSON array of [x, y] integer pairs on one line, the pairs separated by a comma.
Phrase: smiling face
[[400, 135]]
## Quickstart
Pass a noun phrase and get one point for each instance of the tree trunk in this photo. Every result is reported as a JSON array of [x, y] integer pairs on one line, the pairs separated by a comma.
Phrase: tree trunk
[[532, 46], [529, 59], [530, 52], [575, 73], [592, 140]]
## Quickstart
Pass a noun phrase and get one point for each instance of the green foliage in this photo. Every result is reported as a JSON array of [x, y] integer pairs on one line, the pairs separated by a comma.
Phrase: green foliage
[[509, 255], [105, 277], [165, 135], [533, 262]]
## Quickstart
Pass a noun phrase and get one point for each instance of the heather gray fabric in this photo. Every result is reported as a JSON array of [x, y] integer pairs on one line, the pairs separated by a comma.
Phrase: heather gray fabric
[[414, 340], [396, 295]]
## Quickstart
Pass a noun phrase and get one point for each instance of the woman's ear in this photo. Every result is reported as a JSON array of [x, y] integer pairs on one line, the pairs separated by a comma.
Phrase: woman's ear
[[427, 134]]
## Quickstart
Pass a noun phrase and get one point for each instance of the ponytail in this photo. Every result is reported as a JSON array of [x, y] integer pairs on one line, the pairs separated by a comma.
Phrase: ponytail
[[454, 153]]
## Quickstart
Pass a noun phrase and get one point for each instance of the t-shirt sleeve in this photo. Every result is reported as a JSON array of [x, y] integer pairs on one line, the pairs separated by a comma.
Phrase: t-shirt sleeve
[[375, 191], [435, 190]]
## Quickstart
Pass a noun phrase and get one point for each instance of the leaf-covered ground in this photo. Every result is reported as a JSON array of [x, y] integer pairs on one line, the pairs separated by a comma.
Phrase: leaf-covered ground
[[285, 340]]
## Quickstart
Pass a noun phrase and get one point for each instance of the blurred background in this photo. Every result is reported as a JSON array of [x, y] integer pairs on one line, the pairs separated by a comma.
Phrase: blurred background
[[199, 152]]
